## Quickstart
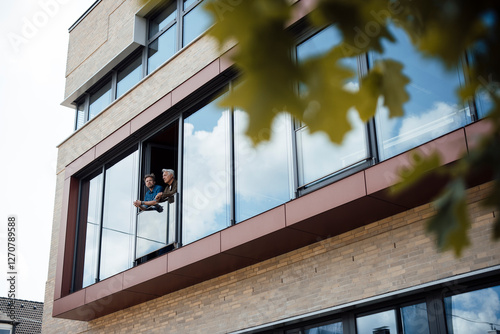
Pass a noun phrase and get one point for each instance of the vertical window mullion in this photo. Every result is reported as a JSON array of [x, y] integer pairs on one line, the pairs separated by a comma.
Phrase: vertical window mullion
[[293, 159], [232, 171], [180, 23], [77, 237], [141, 172], [86, 107], [435, 313], [114, 84], [180, 159], [471, 102], [98, 271], [371, 138], [348, 323]]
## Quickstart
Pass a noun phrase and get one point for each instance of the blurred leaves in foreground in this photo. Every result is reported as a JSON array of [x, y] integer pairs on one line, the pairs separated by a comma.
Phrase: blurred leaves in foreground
[[446, 30]]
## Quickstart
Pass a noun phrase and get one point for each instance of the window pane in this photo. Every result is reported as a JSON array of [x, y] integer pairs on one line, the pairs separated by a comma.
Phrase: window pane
[[473, 312], [161, 49], [206, 174], [378, 323], [93, 221], [155, 229], [129, 76], [100, 100], [484, 103], [261, 173], [188, 3], [162, 20], [120, 190], [317, 155], [433, 109], [195, 23], [80, 115], [414, 318], [335, 328]]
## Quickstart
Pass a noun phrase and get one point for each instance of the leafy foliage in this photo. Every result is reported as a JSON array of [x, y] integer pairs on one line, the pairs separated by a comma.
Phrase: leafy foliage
[[445, 30]]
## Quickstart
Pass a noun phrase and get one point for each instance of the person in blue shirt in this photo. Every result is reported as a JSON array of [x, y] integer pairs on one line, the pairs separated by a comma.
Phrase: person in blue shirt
[[150, 203]]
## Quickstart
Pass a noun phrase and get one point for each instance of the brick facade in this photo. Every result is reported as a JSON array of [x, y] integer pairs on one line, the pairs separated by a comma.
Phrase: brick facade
[[384, 256], [388, 255]]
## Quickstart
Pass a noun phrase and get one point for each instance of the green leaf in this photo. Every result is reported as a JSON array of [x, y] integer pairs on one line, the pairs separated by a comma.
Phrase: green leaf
[[263, 56], [362, 22], [451, 223], [326, 96], [386, 78]]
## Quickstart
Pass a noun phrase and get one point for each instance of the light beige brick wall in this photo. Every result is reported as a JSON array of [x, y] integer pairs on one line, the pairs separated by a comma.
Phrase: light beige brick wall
[[97, 39], [185, 64], [388, 255]]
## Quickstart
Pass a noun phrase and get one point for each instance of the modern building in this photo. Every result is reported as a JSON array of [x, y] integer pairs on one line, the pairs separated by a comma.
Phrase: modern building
[[19, 316], [296, 235]]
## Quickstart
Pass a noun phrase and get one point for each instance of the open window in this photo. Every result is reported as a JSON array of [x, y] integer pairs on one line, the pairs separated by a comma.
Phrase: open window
[[157, 231]]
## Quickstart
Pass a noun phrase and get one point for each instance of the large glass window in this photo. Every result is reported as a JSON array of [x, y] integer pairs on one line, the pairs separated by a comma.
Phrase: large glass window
[[475, 312], [433, 108], [414, 319], [166, 35], [118, 223], [195, 22], [261, 173], [378, 323], [206, 174], [100, 100], [330, 328], [317, 155], [163, 28], [107, 222], [162, 20], [129, 76], [80, 115], [90, 218]]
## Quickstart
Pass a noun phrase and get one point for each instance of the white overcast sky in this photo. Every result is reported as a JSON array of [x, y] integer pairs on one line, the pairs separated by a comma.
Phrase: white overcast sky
[[33, 50]]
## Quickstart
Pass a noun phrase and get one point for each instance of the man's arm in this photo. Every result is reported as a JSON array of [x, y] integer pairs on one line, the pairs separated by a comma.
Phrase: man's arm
[[139, 204]]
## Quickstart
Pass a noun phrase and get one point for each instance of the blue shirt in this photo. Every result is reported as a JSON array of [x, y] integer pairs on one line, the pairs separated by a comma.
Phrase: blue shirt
[[150, 195]]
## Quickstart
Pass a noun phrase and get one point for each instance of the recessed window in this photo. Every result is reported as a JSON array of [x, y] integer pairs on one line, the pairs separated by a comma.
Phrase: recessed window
[[106, 227], [162, 48], [262, 173], [129, 76], [100, 100], [317, 156], [475, 312], [433, 108], [378, 323], [206, 175], [165, 19], [195, 23]]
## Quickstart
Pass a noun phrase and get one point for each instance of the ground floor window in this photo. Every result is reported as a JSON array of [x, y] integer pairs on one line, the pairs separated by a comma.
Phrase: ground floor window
[[456, 307]]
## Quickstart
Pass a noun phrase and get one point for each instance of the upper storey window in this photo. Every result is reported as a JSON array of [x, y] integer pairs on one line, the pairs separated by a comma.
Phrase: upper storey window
[[317, 156], [172, 28], [433, 108], [169, 29]]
